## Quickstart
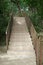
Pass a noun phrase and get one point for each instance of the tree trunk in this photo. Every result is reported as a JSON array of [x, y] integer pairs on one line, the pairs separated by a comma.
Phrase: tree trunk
[[18, 5]]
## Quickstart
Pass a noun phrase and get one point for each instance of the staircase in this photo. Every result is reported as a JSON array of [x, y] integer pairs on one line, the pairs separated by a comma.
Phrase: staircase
[[21, 50]]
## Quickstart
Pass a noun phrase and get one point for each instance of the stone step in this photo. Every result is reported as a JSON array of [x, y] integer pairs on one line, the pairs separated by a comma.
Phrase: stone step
[[20, 41], [20, 44], [20, 49], [12, 61], [13, 34], [22, 53]]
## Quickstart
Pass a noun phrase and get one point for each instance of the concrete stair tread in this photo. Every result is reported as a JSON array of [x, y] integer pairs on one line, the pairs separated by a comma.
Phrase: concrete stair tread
[[20, 44]]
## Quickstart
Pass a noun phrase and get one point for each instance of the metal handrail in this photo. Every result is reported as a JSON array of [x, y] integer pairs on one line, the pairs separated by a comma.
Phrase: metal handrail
[[34, 36], [8, 30]]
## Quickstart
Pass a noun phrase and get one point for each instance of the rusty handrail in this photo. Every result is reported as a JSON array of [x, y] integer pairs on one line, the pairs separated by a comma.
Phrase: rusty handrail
[[8, 30], [40, 35], [34, 36]]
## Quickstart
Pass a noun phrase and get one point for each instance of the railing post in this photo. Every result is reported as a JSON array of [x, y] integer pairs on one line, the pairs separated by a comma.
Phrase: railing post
[[40, 63], [6, 41], [40, 55]]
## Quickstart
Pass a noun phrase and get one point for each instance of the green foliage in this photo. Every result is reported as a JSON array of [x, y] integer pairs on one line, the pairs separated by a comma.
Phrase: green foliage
[[36, 6], [36, 20], [35, 11], [5, 9]]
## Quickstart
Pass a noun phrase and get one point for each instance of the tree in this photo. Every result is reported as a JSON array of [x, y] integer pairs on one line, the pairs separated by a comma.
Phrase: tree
[[5, 9], [17, 2]]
